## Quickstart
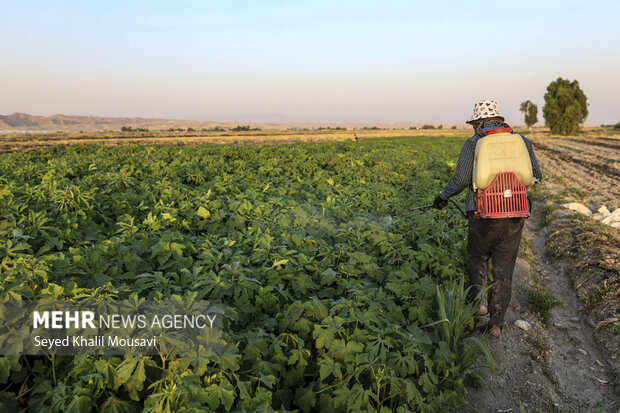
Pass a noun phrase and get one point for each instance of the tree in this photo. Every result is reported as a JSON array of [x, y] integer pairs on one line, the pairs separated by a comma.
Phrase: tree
[[566, 106], [531, 113]]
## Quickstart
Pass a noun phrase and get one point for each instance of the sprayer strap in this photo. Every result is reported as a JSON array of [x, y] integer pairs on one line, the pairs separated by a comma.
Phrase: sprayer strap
[[498, 130]]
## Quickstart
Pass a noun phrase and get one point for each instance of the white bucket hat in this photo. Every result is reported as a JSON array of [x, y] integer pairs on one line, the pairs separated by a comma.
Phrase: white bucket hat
[[485, 109]]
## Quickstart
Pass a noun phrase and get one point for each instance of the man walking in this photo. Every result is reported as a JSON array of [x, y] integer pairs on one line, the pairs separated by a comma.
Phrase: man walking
[[495, 239]]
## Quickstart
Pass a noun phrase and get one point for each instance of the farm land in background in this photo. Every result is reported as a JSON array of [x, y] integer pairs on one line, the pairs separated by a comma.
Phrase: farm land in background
[[14, 140], [18, 140]]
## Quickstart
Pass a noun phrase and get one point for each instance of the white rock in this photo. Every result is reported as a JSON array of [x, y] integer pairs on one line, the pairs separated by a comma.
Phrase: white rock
[[610, 219], [576, 206], [615, 225], [604, 211], [582, 351], [523, 325], [599, 216]]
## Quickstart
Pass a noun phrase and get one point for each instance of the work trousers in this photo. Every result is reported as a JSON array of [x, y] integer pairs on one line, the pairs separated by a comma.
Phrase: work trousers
[[496, 239]]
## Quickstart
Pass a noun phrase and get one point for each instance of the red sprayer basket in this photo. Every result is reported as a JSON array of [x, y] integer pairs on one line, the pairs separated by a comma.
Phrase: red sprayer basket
[[505, 198]]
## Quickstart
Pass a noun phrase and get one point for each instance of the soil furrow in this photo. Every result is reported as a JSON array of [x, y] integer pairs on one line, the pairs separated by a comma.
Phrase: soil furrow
[[601, 168], [580, 149]]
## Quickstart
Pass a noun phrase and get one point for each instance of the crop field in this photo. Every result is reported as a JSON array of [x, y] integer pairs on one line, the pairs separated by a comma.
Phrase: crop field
[[338, 297]]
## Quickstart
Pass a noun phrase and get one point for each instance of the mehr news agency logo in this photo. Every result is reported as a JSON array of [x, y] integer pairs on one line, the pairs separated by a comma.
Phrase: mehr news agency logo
[[66, 320], [112, 327]]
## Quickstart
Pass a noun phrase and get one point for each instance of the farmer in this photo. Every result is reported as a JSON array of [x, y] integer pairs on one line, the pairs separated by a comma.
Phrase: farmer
[[496, 239]]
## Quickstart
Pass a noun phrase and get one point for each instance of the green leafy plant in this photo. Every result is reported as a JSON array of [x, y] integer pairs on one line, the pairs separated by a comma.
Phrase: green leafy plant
[[341, 298], [542, 302]]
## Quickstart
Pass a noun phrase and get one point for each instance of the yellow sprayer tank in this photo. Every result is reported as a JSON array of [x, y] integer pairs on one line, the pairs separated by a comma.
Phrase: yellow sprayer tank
[[501, 152]]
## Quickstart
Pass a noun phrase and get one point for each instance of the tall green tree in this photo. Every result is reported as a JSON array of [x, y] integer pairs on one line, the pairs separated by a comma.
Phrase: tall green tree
[[531, 113], [566, 106]]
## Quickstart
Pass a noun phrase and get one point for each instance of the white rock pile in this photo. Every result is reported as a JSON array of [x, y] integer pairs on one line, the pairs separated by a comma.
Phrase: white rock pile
[[608, 218], [576, 206]]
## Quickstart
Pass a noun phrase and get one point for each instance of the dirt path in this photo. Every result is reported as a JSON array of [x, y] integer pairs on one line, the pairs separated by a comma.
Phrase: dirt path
[[559, 368]]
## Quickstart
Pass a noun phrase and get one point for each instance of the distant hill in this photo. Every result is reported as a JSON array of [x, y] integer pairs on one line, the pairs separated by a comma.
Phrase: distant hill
[[69, 123], [23, 121]]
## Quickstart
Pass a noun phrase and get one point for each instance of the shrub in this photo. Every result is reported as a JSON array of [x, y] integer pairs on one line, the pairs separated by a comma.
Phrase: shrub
[[542, 302], [241, 128]]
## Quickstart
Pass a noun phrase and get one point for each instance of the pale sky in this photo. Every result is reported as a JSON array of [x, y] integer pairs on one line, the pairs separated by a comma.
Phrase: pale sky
[[252, 60]]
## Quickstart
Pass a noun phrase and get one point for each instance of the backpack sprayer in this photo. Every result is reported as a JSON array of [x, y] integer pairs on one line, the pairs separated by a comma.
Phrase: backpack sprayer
[[502, 173]]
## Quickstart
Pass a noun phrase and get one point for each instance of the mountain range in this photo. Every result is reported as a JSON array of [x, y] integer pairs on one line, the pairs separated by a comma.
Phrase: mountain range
[[23, 121], [73, 123]]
